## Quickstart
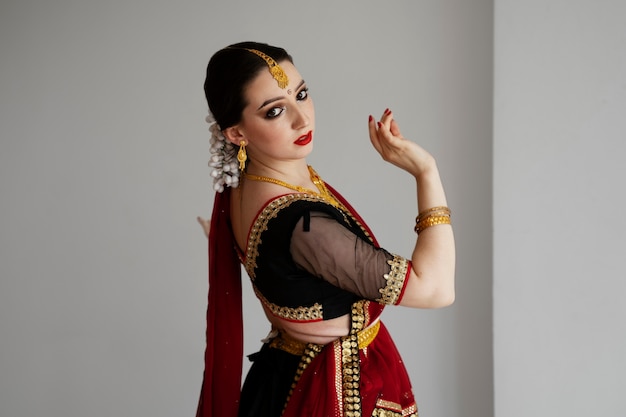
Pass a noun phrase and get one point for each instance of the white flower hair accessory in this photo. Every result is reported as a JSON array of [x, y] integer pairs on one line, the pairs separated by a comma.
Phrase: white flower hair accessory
[[224, 164]]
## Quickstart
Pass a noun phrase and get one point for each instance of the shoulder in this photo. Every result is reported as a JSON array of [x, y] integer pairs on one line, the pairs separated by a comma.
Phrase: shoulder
[[288, 209]]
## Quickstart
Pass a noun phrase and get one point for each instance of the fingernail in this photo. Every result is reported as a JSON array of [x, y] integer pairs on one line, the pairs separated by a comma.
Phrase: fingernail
[[371, 118], [380, 124], [387, 111]]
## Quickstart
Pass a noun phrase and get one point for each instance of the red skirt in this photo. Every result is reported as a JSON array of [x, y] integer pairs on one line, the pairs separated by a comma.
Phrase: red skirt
[[377, 386], [335, 380]]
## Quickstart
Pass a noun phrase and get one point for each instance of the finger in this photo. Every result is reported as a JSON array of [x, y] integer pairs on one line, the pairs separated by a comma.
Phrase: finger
[[394, 128], [371, 125], [385, 138], [387, 118], [389, 136]]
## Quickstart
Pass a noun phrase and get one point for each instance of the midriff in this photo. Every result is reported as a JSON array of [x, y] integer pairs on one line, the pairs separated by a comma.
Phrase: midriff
[[318, 332]]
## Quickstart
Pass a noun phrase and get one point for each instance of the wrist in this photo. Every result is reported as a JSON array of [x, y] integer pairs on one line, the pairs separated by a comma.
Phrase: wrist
[[428, 172]]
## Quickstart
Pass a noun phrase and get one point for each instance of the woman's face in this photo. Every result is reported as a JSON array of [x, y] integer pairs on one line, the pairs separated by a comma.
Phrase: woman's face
[[277, 124]]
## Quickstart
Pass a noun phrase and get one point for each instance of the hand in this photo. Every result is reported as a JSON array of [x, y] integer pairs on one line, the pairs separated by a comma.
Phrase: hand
[[206, 225], [395, 148]]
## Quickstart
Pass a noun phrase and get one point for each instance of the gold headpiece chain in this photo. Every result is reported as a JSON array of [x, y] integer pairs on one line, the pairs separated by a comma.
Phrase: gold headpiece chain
[[277, 72]]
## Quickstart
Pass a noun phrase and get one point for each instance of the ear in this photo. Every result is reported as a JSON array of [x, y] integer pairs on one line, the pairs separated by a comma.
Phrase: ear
[[233, 134]]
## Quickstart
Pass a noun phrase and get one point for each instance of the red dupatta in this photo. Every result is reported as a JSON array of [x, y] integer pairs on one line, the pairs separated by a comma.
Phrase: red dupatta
[[221, 384]]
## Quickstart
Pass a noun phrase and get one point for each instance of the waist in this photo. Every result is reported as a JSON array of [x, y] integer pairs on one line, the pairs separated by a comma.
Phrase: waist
[[297, 347]]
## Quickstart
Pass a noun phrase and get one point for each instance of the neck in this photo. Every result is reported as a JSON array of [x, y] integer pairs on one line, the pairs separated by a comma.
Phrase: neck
[[319, 188], [294, 172]]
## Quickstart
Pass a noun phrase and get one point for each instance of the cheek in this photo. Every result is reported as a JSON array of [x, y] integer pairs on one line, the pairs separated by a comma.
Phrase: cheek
[[258, 130]]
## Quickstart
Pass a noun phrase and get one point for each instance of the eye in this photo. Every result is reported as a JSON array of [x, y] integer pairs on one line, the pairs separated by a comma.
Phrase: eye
[[303, 94], [274, 112]]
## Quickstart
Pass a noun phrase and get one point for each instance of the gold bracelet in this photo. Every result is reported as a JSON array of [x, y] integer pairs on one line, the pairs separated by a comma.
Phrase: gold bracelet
[[429, 221], [440, 210]]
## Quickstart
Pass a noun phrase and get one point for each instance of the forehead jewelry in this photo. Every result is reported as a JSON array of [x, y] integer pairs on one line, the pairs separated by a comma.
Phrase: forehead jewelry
[[275, 69]]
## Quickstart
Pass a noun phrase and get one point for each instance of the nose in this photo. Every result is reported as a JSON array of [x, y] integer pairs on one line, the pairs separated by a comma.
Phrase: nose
[[300, 117]]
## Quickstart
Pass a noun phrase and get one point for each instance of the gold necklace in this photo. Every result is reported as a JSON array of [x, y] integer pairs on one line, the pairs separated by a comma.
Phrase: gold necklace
[[319, 183]]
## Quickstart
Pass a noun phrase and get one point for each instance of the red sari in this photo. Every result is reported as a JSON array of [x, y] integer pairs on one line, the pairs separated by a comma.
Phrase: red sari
[[338, 379]]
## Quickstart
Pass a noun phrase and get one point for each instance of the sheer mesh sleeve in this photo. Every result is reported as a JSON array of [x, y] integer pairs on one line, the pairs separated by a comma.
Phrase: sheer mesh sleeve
[[324, 248]]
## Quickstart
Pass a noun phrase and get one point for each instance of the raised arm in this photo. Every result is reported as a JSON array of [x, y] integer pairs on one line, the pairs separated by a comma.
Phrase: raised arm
[[431, 281]]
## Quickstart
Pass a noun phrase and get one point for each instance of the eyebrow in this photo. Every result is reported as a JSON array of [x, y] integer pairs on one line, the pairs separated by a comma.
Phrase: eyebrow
[[271, 100]]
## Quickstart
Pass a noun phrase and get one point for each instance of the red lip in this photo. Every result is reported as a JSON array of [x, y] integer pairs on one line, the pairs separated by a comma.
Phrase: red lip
[[304, 139]]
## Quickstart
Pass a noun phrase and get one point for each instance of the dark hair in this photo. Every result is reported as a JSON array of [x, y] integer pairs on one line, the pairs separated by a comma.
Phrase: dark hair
[[229, 72]]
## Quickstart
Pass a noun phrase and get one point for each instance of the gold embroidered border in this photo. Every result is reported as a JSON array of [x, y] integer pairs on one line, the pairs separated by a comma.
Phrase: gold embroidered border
[[350, 360], [338, 376], [269, 212], [366, 311], [312, 313], [312, 350], [381, 412], [390, 409], [411, 411], [389, 405], [395, 280]]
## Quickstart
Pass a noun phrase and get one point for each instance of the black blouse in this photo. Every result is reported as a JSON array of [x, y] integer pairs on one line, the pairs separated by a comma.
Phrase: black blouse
[[309, 260]]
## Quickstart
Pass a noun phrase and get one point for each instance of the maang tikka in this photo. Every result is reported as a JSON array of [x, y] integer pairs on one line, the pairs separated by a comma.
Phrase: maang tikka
[[277, 72]]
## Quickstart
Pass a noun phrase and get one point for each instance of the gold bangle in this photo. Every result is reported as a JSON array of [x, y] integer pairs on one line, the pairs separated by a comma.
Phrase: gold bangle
[[429, 221], [440, 210]]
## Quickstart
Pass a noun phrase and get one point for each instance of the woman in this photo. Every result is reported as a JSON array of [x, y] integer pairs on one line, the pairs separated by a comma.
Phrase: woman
[[316, 268]]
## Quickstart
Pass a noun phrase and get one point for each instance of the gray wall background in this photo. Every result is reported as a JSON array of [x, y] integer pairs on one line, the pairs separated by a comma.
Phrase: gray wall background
[[559, 148], [103, 170]]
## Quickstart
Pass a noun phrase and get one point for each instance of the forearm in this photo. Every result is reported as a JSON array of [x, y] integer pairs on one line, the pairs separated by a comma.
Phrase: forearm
[[431, 282]]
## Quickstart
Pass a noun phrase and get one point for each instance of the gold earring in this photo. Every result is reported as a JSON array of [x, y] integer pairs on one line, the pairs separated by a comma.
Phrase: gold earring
[[242, 156]]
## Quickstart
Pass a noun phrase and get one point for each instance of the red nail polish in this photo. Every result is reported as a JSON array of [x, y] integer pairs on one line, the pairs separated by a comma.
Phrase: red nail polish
[[387, 111], [371, 118], [380, 124]]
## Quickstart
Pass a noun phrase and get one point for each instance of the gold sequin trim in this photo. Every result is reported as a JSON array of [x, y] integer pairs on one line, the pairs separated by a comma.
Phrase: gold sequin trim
[[312, 313], [390, 409], [338, 375], [390, 294], [351, 363], [411, 411], [311, 351], [381, 412], [389, 405]]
